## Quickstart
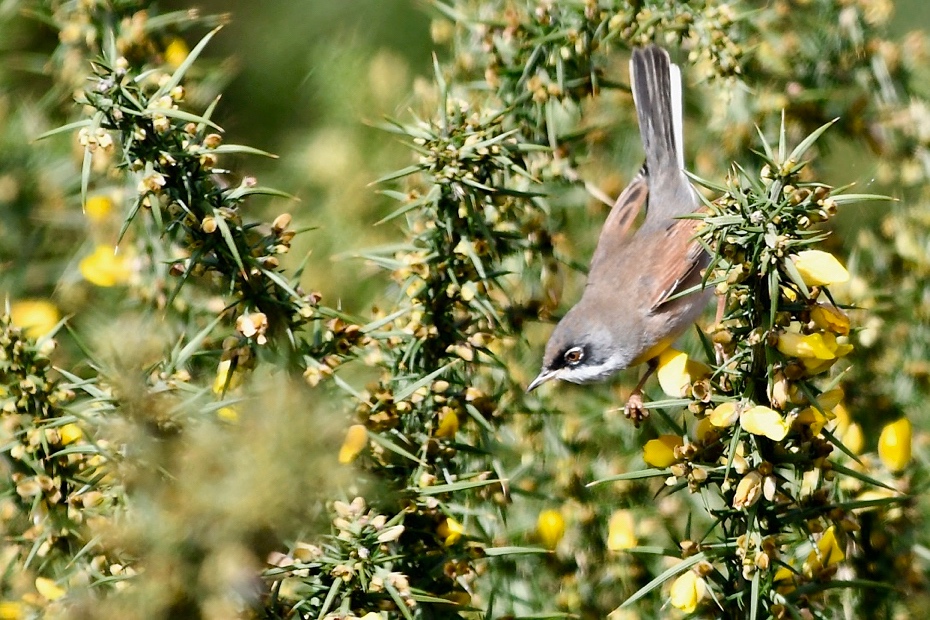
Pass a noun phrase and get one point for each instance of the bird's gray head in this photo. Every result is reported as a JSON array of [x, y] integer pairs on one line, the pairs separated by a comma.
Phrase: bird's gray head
[[581, 351]]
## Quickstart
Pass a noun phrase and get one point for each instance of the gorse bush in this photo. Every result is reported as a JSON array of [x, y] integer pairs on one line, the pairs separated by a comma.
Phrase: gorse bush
[[205, 435]]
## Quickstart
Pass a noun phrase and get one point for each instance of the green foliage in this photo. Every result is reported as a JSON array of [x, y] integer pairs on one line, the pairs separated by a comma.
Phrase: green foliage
[[176, 454]]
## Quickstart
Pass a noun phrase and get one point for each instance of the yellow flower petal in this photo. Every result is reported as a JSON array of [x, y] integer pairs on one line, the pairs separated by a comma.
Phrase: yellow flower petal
[[661, 452], [724, 415], [676, 372], [448, 424], [550, 526], [830, 318], [761, 420], [36, 317], [819, 268], [687, 591], [702, 428], [830, 399], [355, 441], [104, 267], [450, 531], [813, 367], [805, 346], [97, 208], [748, 491], [70, 433], [828, 553], [176, 52], [223, 380], [12, 610], [784, 580], [853, 438], [671, 372], [813, 418], [894, 445], [621, 531], [49, 589], [227, 414]]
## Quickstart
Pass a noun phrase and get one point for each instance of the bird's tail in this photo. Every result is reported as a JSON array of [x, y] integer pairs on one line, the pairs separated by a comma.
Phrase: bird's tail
[[656, 84]]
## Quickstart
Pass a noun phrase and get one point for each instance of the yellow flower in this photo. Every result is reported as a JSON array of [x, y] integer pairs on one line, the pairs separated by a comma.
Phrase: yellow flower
[[448, 423], [550, 526], [70, 433], [356, 440], [450, 531], [372, 615], [225, 381], [853, 438], [176, 52], [12, 610], [814, 366], [783, 573], [724, 415], [818, 418], [661, 452], [49, 589], [97, 208], [748, 491], [687, 591], [813, 418], [819, 268], [228, 414], [894, 445], [702, 428], [830, 319], [805, 346], [105, 267], [676, 372], [761, 420], [827, 553], [621, 531], [839, 349], [36, 317], [830, 399], [784, 580]]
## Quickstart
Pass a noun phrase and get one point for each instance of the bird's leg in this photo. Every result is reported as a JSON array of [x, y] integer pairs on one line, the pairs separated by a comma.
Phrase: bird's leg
[[634, 409]]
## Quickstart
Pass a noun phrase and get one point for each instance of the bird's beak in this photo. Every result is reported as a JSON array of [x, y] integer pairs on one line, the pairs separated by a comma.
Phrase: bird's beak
[[545, 375]]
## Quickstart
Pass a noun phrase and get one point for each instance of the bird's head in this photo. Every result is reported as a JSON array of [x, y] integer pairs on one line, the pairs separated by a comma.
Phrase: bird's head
[[582, 349]]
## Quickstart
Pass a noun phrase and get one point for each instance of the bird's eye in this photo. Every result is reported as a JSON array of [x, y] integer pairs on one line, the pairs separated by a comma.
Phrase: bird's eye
[[574, 355]]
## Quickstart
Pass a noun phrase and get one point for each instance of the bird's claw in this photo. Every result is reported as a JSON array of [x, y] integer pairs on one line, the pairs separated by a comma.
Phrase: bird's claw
[[634, 409]]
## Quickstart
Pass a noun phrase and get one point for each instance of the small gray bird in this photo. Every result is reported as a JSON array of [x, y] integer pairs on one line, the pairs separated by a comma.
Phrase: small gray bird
[[629, 312]]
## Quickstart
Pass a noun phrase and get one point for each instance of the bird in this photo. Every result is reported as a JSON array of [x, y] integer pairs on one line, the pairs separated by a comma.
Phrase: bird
[[643, 289]]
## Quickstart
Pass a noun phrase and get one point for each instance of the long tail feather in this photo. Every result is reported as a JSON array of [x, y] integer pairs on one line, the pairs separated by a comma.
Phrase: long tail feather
[[657, 94]]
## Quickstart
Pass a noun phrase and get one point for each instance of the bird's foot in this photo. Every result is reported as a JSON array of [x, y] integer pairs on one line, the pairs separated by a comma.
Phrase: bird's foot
[[634, 409]]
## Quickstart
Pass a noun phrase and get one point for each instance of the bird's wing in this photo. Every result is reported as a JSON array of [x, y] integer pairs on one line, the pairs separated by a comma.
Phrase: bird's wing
[[680, 274], [616, 228]]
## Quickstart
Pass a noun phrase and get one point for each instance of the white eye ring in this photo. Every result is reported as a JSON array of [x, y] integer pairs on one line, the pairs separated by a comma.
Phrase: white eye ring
[[573, 355]]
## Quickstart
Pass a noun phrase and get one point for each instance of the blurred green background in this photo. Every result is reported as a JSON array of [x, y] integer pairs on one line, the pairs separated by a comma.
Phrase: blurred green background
[[347, 65]]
